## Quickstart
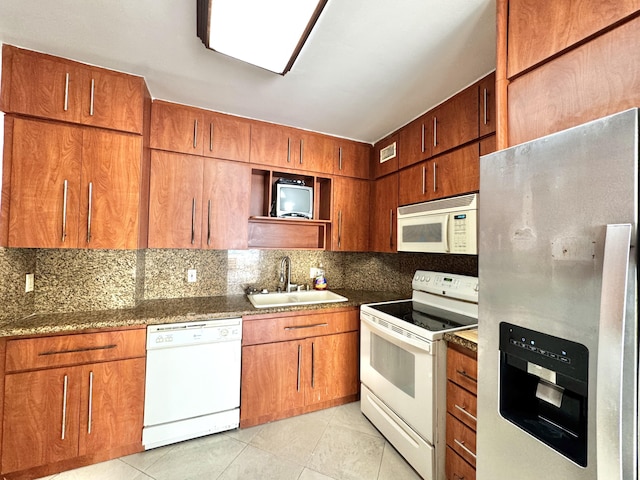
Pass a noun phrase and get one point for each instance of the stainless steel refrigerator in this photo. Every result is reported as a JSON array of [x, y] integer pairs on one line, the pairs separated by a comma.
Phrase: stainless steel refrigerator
[[558, 323]]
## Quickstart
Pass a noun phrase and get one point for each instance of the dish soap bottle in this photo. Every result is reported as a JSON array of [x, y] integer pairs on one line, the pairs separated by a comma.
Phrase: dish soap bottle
[[320, 282]]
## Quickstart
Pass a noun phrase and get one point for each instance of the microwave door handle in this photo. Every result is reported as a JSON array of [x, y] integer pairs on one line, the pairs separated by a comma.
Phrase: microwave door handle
[[445, 236], [609, 391]]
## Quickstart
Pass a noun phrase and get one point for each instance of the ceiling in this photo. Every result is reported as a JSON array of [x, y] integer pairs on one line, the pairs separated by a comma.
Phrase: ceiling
[[368, 67]]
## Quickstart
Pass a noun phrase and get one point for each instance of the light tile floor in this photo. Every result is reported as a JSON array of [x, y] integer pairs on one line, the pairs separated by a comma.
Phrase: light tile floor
[[338, 443]]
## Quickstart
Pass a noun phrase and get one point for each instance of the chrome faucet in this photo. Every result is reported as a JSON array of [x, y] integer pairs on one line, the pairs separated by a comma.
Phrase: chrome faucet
[[288, 286]]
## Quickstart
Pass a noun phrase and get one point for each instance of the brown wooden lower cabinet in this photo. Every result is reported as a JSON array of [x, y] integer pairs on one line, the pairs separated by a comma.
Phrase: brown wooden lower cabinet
[[313, 371], [457, 468], [72, 415]]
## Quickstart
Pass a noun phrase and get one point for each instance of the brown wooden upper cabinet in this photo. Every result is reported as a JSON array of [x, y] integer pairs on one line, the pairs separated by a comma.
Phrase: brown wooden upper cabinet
[[487, 105], [72, 187], [183, 129], [196, 202], [455, 122], [383, 214], [350, 230], [545, 25], [45, 86], [414, 141], [454, 173], [290, 148], [350, 159], [385, 156]]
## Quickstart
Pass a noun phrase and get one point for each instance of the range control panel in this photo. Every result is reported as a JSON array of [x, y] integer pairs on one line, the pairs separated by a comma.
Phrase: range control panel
[[446, 284]]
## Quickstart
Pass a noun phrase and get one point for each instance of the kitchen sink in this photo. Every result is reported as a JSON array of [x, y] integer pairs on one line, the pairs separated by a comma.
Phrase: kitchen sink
[[305, 297]]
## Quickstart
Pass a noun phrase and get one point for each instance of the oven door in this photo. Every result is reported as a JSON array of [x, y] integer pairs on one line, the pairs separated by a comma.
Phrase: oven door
[[401, 372]]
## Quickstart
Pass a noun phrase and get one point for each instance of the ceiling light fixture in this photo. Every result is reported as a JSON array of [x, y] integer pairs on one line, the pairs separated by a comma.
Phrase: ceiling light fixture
[[266, 33]]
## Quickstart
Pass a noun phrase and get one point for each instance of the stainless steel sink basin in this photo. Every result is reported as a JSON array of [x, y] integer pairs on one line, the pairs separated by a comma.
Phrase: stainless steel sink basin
[[306, 297]]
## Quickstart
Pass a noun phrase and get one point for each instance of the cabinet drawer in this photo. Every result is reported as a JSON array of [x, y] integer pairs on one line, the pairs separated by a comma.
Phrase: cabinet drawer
[[292, 327], [461, 439], [59, 350], [462, 405], [457, 468], [462, 369]]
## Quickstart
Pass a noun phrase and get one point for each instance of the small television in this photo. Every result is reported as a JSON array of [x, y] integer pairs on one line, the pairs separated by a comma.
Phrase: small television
[[292, 199]]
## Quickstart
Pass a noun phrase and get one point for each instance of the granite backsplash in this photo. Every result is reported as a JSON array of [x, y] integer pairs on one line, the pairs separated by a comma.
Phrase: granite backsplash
[[86, 280]]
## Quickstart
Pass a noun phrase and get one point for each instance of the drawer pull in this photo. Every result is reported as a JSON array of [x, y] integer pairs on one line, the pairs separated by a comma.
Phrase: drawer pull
[[77, 350], [64, 407], [299, 365], [463, 446], [466, 375], [464, 410], [90, 414], [298, 327]]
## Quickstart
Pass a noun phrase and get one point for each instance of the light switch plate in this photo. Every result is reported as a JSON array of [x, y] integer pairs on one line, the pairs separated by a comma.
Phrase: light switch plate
[[191, 275], [29, 283]]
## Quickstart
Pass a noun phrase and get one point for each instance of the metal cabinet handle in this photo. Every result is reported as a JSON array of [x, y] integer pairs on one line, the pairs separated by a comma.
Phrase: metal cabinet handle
[[77, 350], [422, 138], [435, 131], [209, 222], [340, 158], [93, 85], [466, 375], [391, 228], [193, 221], [211, 137], [435, 177], [424, 179], [463, 446], [339, 228], [288, 150], [64, 407], [90, 209], [66, 92], [90, 414], [301, 151], [486, 118], [195, 133], [464, 410], [64, 210], [298, 327], [313, 365], [299, 363]]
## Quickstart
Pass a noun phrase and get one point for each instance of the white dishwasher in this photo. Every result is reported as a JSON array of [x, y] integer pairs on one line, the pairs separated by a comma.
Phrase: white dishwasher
[[192, 380]]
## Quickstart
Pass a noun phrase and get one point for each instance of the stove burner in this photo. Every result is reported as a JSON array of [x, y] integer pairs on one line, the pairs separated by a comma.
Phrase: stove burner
[[425, 316]]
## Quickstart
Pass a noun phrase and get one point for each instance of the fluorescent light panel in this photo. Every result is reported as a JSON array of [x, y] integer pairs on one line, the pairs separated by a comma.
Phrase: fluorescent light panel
[[266, 33]]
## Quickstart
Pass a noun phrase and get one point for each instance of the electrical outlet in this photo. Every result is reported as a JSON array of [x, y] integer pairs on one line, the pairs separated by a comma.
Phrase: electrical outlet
[[314, 272], [191, 275], [28, 286]]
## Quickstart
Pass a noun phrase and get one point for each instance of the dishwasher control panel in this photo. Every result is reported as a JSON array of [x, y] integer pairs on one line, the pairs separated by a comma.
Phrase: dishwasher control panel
[[193, 333]]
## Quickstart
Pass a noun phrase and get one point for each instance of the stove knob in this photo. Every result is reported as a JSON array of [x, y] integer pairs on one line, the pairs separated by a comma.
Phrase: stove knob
[[428, 279], [422, 278], [476, 288]]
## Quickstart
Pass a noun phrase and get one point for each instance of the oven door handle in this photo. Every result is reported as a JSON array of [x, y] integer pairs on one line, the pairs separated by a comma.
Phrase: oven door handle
[[423, 346]]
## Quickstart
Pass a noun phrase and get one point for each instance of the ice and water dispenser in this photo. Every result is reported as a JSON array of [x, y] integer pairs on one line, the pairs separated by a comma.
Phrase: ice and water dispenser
[[543, 388]]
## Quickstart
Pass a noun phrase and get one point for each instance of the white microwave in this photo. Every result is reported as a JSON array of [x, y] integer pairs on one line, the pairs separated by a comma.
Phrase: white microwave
[[449, 225]]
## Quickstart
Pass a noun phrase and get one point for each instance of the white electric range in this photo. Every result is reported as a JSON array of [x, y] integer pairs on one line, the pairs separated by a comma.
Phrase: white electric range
[[403, 364]]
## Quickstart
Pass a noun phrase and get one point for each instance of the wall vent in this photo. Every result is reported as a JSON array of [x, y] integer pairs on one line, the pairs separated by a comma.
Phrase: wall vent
[[387, 153]]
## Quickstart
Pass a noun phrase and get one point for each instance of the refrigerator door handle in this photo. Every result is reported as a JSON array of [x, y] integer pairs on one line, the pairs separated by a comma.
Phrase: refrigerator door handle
[[611, 328]]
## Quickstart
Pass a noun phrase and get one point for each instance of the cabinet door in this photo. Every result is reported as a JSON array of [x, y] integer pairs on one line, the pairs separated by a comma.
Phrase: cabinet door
[[271, 145], [112, 100], [177, 128], [334, 367], [273, 378], [42, 86], [41, 415], [456, 172], [455, 122], [413, 142], [314, 153], [112, 401], [487, 105], [175, 200], [227, 137], [350, 230], [226, 197], [383, 214], [45, 183], [110, 198], [414, 184], [351, 159]]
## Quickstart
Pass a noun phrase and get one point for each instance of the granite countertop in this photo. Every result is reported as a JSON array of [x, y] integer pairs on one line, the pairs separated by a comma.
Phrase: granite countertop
[[173, 310], [464, 338]]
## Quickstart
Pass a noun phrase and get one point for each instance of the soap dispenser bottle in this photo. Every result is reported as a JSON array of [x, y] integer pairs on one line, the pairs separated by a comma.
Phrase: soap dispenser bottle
[[320, 282]]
